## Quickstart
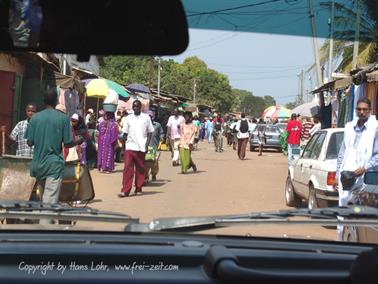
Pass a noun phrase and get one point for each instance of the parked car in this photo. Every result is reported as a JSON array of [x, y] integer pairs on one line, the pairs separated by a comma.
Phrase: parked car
[[272, 134], [313, 173], [365, 195], [281, 126]]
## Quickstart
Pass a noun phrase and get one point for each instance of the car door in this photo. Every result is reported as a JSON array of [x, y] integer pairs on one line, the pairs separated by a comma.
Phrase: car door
[[299, 180], [314, 166]]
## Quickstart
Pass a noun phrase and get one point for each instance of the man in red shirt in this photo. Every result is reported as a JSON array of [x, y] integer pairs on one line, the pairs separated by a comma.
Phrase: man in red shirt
[[294, 129]]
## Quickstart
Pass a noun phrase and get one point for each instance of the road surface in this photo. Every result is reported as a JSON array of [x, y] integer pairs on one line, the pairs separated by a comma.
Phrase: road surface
[[223, 185]]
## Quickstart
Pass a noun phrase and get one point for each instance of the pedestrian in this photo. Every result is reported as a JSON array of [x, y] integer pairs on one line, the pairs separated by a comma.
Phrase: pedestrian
[[138, 130], [234, 133], [218, 133], [107, 140], [18, 133], [242, 128], [197, 124], [358, 152], [317, 126], [80, 131], [186, 144], [294, 130], [306, 127], [153, 155], [46, 131], [261, 136], [89, 119], [203, 129], [209, 129], [174, 134]]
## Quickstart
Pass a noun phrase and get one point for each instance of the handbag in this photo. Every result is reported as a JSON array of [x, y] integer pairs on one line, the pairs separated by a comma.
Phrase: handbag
[[348, 179], [72, 155], [151, 154]]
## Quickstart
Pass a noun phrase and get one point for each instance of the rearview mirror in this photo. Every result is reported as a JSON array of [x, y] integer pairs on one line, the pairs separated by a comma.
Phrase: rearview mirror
[[85, 27]]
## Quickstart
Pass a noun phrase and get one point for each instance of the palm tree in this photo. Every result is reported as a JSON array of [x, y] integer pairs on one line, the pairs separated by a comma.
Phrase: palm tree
[[344, 23]]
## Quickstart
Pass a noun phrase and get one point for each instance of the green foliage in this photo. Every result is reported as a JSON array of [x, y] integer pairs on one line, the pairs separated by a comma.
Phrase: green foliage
[[212, 87]]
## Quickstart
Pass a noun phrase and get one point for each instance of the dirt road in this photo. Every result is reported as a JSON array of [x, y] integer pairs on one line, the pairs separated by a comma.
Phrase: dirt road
[[222, 185]]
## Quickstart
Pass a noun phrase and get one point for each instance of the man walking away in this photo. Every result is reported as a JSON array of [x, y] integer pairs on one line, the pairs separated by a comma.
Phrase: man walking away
[[261, 136], [209, 129], [358, 152], [138, 129], [294, 129], [242, 127], [47, 130], [174, 134], [218, 134], [18, 133], [152, 157]]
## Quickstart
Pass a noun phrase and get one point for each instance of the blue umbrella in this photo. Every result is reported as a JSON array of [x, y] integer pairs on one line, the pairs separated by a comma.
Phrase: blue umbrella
[[139, 88]]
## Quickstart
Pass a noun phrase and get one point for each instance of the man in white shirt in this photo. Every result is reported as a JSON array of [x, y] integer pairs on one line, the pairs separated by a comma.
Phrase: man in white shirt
[[317, 126], [138, 129], [174, 135], [243, 127]]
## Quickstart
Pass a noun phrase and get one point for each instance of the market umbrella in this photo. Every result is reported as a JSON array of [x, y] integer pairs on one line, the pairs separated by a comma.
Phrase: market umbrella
[[307, 109], [99, 88], [138, 88], [275, 112]]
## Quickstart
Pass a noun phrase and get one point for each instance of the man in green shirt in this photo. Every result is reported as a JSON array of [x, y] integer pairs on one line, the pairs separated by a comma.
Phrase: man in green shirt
[[47, 131]]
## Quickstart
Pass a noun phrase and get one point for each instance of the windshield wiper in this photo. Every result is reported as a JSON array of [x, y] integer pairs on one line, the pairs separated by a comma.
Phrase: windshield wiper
[[36, 210], [353, 215]]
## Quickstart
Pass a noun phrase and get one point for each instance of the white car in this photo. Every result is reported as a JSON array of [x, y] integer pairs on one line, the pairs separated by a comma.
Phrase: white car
[[313, 172]]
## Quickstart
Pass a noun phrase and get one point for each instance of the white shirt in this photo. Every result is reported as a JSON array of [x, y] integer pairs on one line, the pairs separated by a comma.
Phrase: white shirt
[[242, 135], [137, 127], [173, 122]]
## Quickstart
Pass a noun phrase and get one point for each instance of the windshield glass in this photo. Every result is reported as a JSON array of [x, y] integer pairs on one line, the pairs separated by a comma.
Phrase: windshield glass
[[178, 136]]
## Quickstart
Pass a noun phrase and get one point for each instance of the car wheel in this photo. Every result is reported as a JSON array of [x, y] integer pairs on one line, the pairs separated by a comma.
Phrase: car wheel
[[312, 200], [291, 199], [350, 234], [251, 149]]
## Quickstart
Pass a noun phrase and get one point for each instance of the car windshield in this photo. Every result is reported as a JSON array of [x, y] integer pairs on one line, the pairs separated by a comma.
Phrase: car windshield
[[175, 136]]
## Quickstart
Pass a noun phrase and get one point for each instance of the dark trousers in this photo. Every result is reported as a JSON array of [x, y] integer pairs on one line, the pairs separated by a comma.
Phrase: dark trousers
[[242, 146]]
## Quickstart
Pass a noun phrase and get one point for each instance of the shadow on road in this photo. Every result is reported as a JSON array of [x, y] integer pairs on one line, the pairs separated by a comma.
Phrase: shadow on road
[[193, 173], [95, 201], [156, 183], [148, 192]]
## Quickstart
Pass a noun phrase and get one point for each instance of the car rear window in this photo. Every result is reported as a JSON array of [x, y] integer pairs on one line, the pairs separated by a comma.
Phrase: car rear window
[[334, 145]]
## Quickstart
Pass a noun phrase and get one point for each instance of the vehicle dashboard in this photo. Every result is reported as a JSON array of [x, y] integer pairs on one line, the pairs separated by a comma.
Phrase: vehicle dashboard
[[74, 257]]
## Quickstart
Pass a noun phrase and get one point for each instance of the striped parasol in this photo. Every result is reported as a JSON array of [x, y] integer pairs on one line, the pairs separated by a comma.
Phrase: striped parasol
[[275, 112]]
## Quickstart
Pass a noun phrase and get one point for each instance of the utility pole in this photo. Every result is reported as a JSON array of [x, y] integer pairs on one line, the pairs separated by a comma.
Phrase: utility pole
[[356, 35], [331, 26], [159, 76], [302, 86], [315, 44], [194, 90]]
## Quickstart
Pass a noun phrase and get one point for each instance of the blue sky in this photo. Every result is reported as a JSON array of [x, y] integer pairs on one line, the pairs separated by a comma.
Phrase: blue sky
[[264, 64]]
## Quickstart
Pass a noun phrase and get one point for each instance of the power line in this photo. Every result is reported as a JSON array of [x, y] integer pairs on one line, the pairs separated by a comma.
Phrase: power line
[[231, 9]]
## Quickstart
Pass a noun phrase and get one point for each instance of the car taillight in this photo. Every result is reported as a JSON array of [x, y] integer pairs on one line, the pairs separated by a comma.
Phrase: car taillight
[[331, 177]]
